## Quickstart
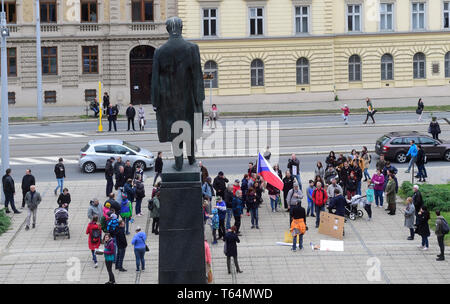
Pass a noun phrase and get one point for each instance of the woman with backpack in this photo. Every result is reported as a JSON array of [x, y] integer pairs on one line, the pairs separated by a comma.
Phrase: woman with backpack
[[95, 236], [140, 194], [440, 231]]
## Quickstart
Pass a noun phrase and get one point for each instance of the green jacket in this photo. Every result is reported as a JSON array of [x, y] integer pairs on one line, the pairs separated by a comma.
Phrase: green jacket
[[390, 192], [155, 212]]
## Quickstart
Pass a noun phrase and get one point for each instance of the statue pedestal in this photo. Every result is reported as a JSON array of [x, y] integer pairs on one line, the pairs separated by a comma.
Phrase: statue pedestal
[[181, 229]]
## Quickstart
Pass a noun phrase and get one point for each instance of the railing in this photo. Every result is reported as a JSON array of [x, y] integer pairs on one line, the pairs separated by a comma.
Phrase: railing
[[49, 28], [13, 28], [144, 27], [89, 27]]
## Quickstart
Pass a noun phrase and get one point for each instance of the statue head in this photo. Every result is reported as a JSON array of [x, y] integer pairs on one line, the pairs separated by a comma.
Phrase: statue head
[[174, 26]]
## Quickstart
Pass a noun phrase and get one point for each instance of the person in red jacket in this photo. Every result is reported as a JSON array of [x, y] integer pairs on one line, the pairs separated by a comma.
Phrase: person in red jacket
[[95, 236], [346, 111], [320, 198]]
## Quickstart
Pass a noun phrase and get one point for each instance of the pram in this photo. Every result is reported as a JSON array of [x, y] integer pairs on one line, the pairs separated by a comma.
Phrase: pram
[[351, 208], [61, 226]]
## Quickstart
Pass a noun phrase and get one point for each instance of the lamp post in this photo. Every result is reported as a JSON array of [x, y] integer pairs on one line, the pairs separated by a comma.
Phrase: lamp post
[[38, 62], [4, 31]]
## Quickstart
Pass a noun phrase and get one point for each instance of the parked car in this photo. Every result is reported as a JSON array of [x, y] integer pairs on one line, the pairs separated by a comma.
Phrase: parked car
[[395, 145], [94, 155]]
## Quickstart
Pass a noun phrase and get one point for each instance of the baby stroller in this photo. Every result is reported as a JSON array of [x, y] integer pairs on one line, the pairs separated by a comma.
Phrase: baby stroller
[[61, 226], [351, 209]]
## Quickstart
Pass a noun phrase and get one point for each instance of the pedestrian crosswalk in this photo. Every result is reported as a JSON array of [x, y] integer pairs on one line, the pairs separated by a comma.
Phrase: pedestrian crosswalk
[[46, 135], [42, 160]]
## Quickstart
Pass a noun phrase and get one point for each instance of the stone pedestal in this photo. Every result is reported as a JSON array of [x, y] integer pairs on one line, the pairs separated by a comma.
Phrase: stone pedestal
[[181, 230]]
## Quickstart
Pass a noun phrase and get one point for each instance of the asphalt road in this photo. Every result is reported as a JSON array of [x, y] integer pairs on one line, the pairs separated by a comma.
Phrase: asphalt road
[[37, 146]]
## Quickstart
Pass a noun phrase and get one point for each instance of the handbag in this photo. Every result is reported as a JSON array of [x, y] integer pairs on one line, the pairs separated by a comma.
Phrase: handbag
[[146, 248], [418, 111]]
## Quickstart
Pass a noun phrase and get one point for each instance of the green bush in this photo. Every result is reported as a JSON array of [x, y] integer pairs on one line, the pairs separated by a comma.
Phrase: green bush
[[5, 221], [434, 196]]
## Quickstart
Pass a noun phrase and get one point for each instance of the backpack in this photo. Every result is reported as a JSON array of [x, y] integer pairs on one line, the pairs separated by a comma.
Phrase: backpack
[[95, 236], [445, 228], [150, 204]]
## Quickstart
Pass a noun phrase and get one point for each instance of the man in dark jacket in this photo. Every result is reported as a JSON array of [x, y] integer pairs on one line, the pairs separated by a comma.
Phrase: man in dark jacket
[[338, 202], [120, 179], [204, 172], [60, 173], [121, 246], [131, 113], [9, 191], [219, 184], [109, 173], [27, 181], [158, 167], [118, 164], [237, 207], [128, 170], [288, 184], [228, 198], [420, 162], [105, 102], [112, 116], [294, 168], [114, 204]]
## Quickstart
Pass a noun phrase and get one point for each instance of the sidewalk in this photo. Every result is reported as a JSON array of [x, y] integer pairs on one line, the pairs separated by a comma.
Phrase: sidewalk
[[34, 257]]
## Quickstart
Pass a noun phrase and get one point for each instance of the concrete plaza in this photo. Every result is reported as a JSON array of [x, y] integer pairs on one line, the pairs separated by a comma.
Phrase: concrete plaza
[[34, 257]]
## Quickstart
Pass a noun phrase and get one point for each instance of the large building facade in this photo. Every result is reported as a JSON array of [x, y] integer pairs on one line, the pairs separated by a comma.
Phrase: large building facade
[[289, 46], [84, 42]]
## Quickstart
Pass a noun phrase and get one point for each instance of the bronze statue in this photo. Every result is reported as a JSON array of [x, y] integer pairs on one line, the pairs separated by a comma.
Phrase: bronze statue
[[177, 90]]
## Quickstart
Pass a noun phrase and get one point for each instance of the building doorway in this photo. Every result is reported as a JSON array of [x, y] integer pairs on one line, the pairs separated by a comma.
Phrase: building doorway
[[141, 61]]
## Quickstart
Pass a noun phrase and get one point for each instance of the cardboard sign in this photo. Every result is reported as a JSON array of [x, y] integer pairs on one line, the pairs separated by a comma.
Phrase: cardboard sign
[[326, 245], [331, 225]]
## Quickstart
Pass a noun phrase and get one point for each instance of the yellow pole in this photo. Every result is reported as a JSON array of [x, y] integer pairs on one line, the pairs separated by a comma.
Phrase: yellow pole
[[100, 126]]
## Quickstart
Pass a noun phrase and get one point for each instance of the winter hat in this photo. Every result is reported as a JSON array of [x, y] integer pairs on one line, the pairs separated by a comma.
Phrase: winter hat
[[108, 205], [124, 196], [236, 181]]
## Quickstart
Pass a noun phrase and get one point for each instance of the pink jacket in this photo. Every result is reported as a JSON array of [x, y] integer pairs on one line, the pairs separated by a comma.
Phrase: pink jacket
[[207, 253], [378, 180], [346, 111]]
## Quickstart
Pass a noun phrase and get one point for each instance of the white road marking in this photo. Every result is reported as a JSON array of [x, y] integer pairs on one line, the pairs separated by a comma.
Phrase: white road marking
[[45, 135]]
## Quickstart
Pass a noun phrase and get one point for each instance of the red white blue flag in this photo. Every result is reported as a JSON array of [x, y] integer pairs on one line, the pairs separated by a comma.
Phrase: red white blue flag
[[269, 175]]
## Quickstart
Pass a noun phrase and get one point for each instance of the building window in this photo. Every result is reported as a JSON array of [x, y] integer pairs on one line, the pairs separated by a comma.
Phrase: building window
[[48, 11], [256, 21], [10, 10], [49, 61], [142, 10], [419, 65], [209, 22], [12, 62], [354, 17], [386, 16], [447, 15], [211, 68], [257, 73], [301, 19], [11, 97], [90, 95], [302, 71], [50, 96], [447, 64], [387, 67], [90, 59], [418, 16], [89, 11], [354, 68]]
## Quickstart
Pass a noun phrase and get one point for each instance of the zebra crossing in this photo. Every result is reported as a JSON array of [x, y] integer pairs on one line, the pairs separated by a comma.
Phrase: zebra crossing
[[47, 135], [41, 160]]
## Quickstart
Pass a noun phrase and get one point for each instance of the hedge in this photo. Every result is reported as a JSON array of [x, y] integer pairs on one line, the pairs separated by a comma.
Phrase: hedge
[[434, 196], [5, 221]]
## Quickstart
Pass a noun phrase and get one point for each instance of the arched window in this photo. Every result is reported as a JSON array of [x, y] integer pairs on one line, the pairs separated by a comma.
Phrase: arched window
[[302, 71], [257, 73], [387, 67], [447, 64], [211, 68], [419, 64], [354, 68]]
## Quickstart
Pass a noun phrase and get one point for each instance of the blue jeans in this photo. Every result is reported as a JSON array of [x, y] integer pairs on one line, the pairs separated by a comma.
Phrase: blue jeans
[[412, 161], [358, 188], [229, 216], [422, 171], [94, 257], [138, 205], [297, 177], [379, 197], [139, 253], [294, 242], [366, 173], [425, 241], [9, 199], [119, 258], [273, 204], [127, 224], [60, 184], [254, 216], [318, 209], [310, 208]]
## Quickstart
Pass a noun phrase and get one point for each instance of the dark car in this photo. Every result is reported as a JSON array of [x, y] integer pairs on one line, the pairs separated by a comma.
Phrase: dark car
[[395, 145]]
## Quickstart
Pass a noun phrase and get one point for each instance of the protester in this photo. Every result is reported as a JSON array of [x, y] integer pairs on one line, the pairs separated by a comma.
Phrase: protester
[[131, 113], [95, 209], [60, 173], [381, 163], [228, 198], [367, 160], [138, 242], [94, 238], [109, 253], [94, 106], [409, 217], [139, 194], [309, 192], [277, 170], [413, 153], [390, 195], [121, 246], [128, 190], [319, 170], [440, 234], [32, 200], [236, 186], [294, 168], [27, 181], [64, 198], [222, 211], [253, 205], [351, 185], [120, 181], [294, 195], [330, 174], [214, 223], [128, 171], [231, 239], [9, 190], [419, 110], [154, 213], [338, 202], [109, 173], [126, 209], [417, 199], [423, 229], [298, 225], [288, 184], [434, 128], [370, 199], [274, 194], [117, 164], [320, 198], [115, 205], [331, 159], [378, 181], [158, 167]]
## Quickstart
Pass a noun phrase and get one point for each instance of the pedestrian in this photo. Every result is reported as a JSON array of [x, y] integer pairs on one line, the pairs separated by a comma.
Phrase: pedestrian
[[122, 244], [410, 217], [141, 117], [129, 190], [32, 200], [131, 113], [94, 107], [154, 213], [112, 117], [140, 247], [114, 205], [117, 164], [222, 211], [252, 205], [213, 116], [109, 253], [419, 110], [298, 225], [219, 184], [139, 195], [231, 239], [138, 174], [9, 191], [207, 190], [294, 195], [128, 171], [64, 198], [94, 237], [105, 102], [120, 180], [338, 202], [208, 261], [236, 186], [370, 110], [330, 174], [381, 163], [214, 223], [413, 153], [417, 199], [60, 173], [228, 198], [319, 170], [95, 209], [204, 171], [378, 181], [351, 185], [309, 192], [357, 165], [331, 159], [288, 184], [274, 195], [158, 167], [112, 227], [370, 199], [367, 159], [294, 167], [434, 128], [344, 174], [109, 173], [420, 162], [440, 232], [277, 170], [346, 111], [126, 209], [320, 198], [27, 181], [423, 229], [390, 195], [237, 207]]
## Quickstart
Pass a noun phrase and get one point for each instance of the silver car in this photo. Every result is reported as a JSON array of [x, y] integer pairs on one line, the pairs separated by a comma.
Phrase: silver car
[[95, 154]]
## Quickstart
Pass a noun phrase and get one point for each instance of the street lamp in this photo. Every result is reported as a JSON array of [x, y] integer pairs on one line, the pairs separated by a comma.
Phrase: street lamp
[[4, 32]]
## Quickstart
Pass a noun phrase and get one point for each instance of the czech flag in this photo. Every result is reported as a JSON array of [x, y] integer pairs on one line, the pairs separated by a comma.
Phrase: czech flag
[[266, 171]]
